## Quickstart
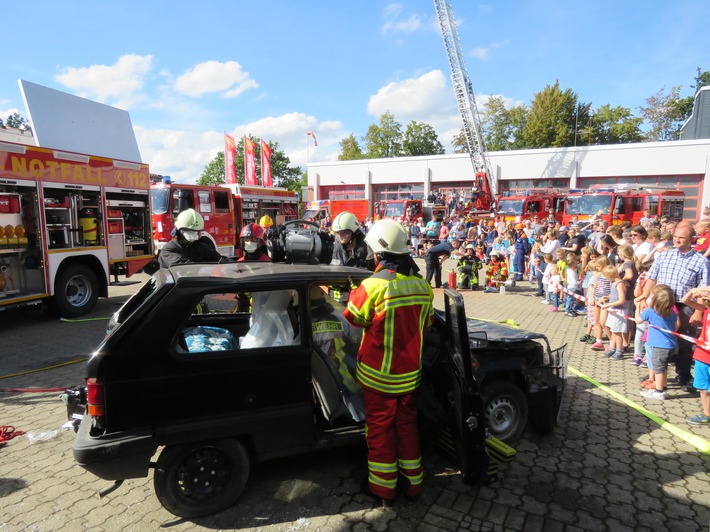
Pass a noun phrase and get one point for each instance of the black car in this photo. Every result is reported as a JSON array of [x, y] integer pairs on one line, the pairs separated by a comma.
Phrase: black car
[[230, 364]]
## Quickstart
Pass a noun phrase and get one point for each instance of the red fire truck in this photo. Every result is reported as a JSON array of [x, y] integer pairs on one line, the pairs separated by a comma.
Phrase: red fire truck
[[69, 221], [225, 209], [317, 210], [624, 202], [518, 205]]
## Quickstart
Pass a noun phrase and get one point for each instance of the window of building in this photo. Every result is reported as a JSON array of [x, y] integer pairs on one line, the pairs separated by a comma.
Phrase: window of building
[[401, 191]]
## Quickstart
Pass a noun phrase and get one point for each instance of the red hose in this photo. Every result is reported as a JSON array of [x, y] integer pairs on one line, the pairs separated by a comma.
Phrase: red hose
[[7, 432]]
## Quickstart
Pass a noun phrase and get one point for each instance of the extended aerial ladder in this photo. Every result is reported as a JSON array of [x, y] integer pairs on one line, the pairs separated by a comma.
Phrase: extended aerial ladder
[[467, 107]]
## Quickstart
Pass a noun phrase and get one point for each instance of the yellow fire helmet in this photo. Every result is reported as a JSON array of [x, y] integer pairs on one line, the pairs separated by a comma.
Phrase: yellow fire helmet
[[266, 221]]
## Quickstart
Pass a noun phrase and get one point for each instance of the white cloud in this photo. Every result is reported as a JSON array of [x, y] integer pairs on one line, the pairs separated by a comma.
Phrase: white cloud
[[183, 155], [214, 77], [5, 113], [483, 52], [480, 53], [397, 22], [428, 98], [119, 84]]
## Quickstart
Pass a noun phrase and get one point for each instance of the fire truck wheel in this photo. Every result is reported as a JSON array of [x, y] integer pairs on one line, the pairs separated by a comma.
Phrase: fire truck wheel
[[201, 478], [75, 291], [506, 410]]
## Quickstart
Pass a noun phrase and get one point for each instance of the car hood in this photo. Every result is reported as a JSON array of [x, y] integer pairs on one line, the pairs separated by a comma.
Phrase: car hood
[[495, 331]]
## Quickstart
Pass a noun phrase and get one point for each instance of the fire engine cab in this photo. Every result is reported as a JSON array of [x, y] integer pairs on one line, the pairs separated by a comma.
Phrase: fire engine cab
[[624, 202], [518, 205], [67, 222]]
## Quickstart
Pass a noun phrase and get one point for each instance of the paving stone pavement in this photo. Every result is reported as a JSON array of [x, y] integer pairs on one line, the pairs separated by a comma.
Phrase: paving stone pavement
[[606, 467]]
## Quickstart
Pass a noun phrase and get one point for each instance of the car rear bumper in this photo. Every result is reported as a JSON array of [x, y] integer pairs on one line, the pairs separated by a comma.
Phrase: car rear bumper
[[113, 457]]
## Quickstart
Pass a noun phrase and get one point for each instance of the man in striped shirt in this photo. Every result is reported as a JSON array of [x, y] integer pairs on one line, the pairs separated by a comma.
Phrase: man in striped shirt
[[682, 269]]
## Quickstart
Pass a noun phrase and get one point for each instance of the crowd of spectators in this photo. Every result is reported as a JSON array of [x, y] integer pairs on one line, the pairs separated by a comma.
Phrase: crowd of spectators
[[644, 291], [631, 282]]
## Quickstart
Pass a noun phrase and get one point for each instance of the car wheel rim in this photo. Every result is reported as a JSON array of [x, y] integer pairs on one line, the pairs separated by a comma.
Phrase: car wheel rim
[[78, 290], [202, 474], [500, 415]]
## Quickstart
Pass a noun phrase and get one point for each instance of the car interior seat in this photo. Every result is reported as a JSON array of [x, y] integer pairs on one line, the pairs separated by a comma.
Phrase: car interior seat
[[274, 321]]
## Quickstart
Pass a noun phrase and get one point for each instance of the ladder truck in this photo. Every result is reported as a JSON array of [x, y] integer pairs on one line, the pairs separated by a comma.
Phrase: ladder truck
[[484, 188]]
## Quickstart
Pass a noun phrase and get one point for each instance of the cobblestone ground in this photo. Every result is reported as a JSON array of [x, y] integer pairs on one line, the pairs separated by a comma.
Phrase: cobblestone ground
[[607, 466]]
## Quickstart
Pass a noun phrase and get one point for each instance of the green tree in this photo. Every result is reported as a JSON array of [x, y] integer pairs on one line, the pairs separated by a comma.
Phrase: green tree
[[459, 142], [552, 118], [518, 121], [612, 125], [666, 113], [213, 174], [421, 139], [702, 79], [350, 149], [15, 120], [384, 140], [282, 173], [503, 128]]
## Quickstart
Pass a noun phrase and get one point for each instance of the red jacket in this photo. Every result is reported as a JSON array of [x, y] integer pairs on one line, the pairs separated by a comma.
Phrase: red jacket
[[395, 310]]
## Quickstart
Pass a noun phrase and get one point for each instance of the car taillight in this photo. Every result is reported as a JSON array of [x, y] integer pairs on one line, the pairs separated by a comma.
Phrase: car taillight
[[94, 397]]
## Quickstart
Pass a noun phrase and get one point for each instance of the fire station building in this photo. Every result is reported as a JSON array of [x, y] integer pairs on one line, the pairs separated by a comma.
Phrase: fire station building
[[683, 164]]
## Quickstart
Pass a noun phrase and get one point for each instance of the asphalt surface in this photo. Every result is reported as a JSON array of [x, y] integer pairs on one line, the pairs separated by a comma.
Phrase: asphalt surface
[[616, 462]]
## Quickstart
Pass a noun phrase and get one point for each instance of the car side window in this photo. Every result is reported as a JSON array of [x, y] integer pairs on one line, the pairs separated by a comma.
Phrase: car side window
[[238, 321]]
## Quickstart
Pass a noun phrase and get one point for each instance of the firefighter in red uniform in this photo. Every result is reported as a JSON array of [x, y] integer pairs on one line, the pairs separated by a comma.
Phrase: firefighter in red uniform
[[394, 306], [252, 240]]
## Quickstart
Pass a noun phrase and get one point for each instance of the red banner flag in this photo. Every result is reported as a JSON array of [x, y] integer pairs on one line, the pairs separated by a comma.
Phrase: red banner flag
[[249, 162], [266, 165], [311, 134], [230, 152]]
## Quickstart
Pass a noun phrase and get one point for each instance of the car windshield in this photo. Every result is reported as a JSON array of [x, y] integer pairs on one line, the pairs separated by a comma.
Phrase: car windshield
[[393, 210], [591, 204], [159, 200], [509, 206], [310, 214]]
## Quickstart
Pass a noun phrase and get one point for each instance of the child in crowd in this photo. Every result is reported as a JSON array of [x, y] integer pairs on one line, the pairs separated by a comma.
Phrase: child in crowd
[[628, 271], [699, 298], [660, 344], [588, 288], [547, 259], [639, 358], [573, 285], [537, 269], [600, 289], [499, 246], [616, 318], [554, 282], [561, 263]]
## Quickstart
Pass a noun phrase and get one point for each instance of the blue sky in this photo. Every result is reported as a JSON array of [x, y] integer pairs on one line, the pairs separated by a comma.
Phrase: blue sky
[[188, 71]]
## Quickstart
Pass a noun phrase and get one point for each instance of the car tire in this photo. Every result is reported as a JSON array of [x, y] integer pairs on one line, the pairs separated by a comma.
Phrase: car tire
[[201, 478], [76, 291], [506, 410]]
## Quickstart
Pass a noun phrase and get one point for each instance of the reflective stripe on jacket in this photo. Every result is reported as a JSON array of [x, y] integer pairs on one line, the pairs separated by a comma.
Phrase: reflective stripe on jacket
[[395, 310]]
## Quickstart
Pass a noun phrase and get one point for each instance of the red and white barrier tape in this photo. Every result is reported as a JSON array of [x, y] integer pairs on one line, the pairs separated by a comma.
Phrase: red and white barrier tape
[[621, 314]]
